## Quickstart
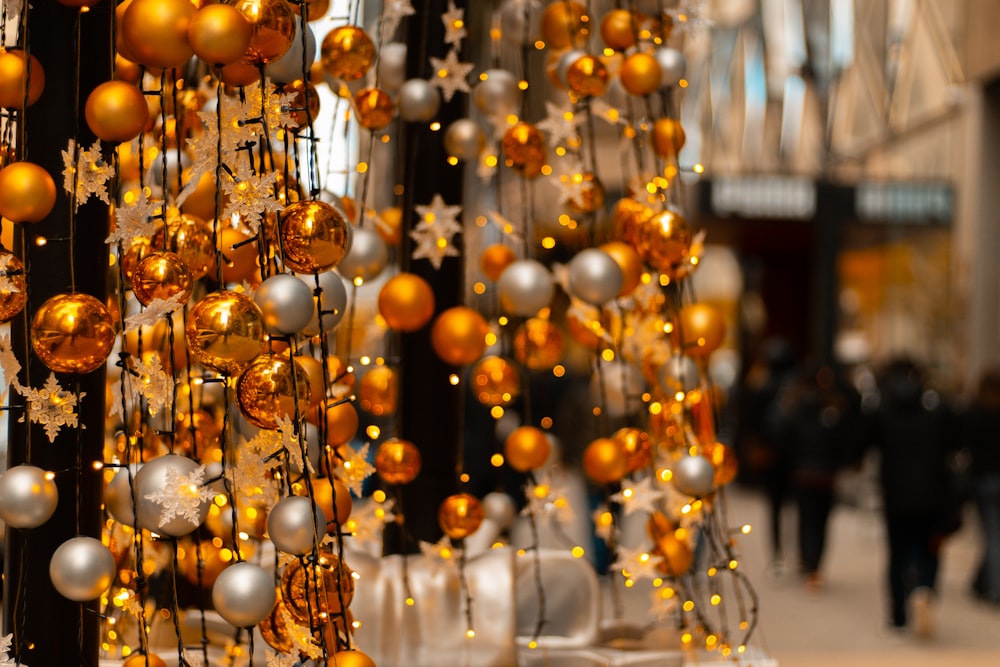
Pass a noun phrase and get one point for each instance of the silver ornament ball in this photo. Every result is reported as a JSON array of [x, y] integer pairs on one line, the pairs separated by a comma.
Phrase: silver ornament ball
[[82, 569], [594, 276], [244, 594], [28, 496], [672, 66], [678, 374], [392, 66], [151, 480], [367, 257], [295, 524], [464, 139], [525, 287], [500, 507], [286, 303], [288, 67], [498, 93], [332, 301], [519, 21], [419, 101], [620, 385], [118, 495], [694, 476], [311, 435]]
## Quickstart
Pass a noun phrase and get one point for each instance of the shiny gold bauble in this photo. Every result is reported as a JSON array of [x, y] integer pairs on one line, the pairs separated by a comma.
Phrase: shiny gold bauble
[[524, 148], [314, 369], [628, 261], [629, 216], [311, 597], [460, 515], [390, 225], [724, 460], [190, 238], [155, 32], [239, 74], [144, 660], [374, 108], [27, 192], [700, 329], [334, 498], [539, 344], [13, 290], [13, 74], [637, 447], [316, 9], [495, 381], [527, 448], [72, 333], [271, 388], [604, 461], [161, 275], [378, 391], [298, 90], [116, 111], [225, 331], [314, 236], [213, 562], [156, 340], [640, 74], [397, 461], [590, 195], [663, 241], [238, 264], [587, 76], [563, 24], [273, 629], [341, 423], [350, 659], [618, 29], [273, 24], [341, 377], [126, 70], [406, 302], [668, 137], [459, 335], [495, 259], [201, 202], [675, 553], [347, 53], [219, 34]]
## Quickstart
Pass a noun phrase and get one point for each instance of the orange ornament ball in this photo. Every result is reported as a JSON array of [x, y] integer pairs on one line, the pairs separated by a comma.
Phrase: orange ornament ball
[[155, 32], [406, 302], [378, 391], [618, 29], [72, 333], [389, 225], [397, 461], [144, 660], [676, 555], [663, 240], [161, 275], [201, 202], [700, 329], [587, 76], [219, 34], [312, 593], [374, 108], [637, 447], [14, 74], [301, 91], [668, 137], [495, 259], [126, 70], [272, 388], [563, 24], [27, 192], [239, 258], [640, 74], [604, 461], [347, 53], [629, 216], [239, 74], [273, 29], [334, 498], [527, 448], [13, 289], [590, 194], [341, 423], [459, 335], [495, 381], [191, 238], [723, 458], [313, 368], [350, 659], [539, 344], [524, 148], [225, 331], [315, 236], [630, 263], [460, 515]]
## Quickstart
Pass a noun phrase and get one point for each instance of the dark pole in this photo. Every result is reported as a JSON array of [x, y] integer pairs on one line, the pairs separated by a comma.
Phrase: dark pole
[[834, 207], [49, 629]]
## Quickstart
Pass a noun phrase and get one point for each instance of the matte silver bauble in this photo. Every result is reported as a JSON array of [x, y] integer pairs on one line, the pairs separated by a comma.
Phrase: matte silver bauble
[[118, 495], [332, 302], [82, 569], [392, 66], [500, 507], [418, 101], [28, 496], [525, 287], [672, 66], [244, 594], [286, 303], [464, 139], [694, 476], [151, 481], [288, 67], [594, 276], [296, 524], [367, 257], [519, 21], [497, 94], [678, 375]]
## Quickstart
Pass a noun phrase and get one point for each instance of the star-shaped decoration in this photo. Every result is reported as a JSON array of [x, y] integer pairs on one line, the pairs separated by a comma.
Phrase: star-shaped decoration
[[450, 74], [192, 659], [52, 406], [368, 519], [639, 496], [636, 564], [547, 498], [688, 16], [156, 309], [562, 124], [251, 196], [440, 553], [393, 13], [454, 25], [90, 173], [435, 231], [281, 659], [9, 363], [6, 660], [6, 284], [134, 218], [604, 522], [354, 469], [182, 495]]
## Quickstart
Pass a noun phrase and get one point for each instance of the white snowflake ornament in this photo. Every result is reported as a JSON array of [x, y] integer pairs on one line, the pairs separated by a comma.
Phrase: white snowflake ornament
[[435, 231], [182, 496], [52, 407], [450, 74]]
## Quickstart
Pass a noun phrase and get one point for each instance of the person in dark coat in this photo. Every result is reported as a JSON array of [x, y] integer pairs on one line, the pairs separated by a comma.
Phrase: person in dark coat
[[982, 438]]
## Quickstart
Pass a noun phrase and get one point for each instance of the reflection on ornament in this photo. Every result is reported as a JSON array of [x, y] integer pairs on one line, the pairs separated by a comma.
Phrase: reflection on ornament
[[563, 24], [219, 34], [161, 275], [155, 32], [640, 74], [538, 344], [225, 331], [270, 389], [82, 569], [459, 335], [27, 192], [314, 596], [495, 381], [460, 515], [663, 240], [378, 391], [13, 290], [13, 72], [587, 76], [315, 236], [374, 108], [273, 24], [668, 137], [347, 53], [618, 29], [191, 238], [637, 447], [524, 147], [72, 333], [397, 461], [406, 302], [604, 461], [244, 594], [116, 111], [527, 448], [628, 261], [700, 329]]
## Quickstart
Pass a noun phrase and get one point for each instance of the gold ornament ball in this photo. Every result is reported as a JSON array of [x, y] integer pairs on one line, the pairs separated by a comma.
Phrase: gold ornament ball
[[563, 24], [144, 660], [587, 76], [495, 259], [459, 335], [201, 202], [239, 74], [311, 597], [460, 515], [676, 554], [313, 368], [539, 344], [668, 137], [640, 74], [700, 329], [724, 460], [271, 388], [190, 238], [334, 498], [27, 192], [13, 290], [618, 29], [14, 75], [273, 29], [72, 333], [524, 148], [126, 70], [347, 53], [527, 448], [629, 216], [238, 263], [297, 89], [225, 331], [161, 275], [315, 236], [637, 447], [495, 381], [219, 34], [155, 32], [273, 629], [604, 461], [350, 659], [397, 461], [374, 108], [341, 423], [663, 240], [630, 263], [406, 302], [590, 197], [378, 391], [390, 225]]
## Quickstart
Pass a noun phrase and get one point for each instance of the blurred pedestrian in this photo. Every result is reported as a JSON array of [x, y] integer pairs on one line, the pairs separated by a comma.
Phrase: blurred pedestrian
[[982, 437]]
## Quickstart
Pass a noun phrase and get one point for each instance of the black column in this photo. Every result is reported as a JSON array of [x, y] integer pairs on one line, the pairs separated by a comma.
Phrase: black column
[[834, 207]]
